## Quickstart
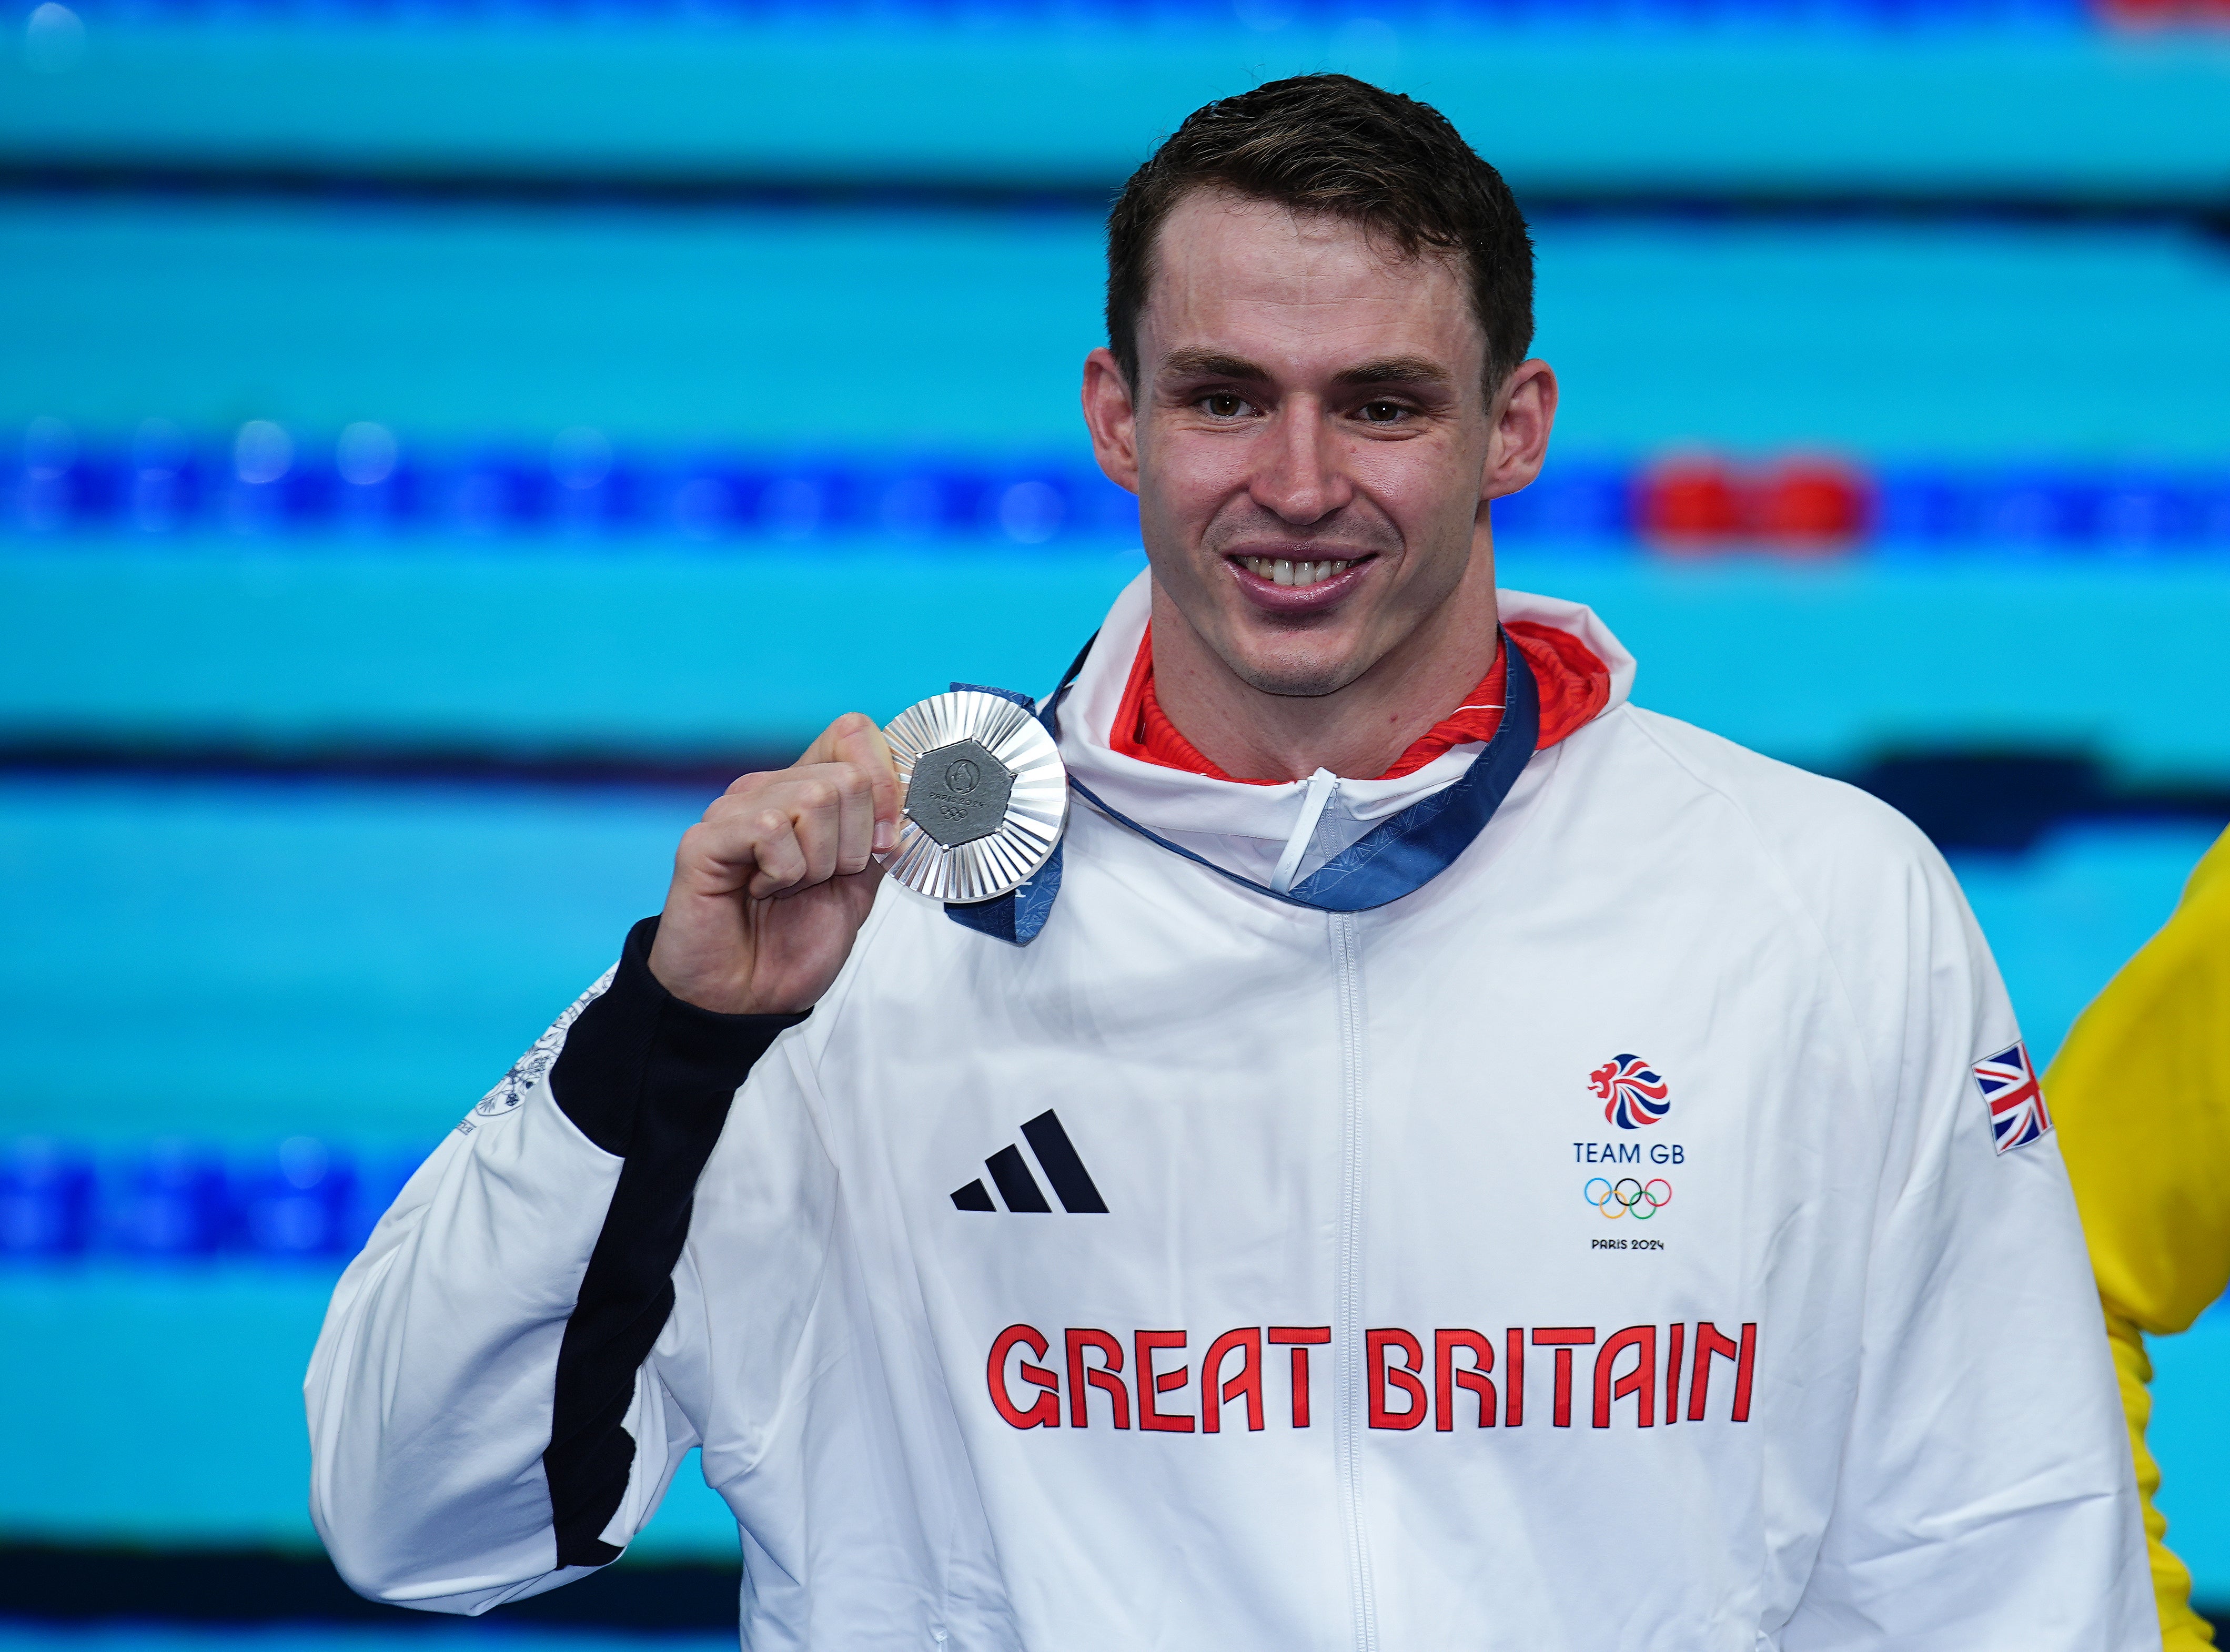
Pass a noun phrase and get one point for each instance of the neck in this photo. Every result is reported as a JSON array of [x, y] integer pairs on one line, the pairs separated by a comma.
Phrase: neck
[[1357, 730]]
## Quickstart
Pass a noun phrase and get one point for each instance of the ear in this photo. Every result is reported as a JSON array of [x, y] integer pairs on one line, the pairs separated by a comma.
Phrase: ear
[[1112, 418], [1523, 415]]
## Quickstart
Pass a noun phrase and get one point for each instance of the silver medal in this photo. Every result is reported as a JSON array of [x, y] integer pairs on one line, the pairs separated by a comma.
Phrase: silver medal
[[984, 792]]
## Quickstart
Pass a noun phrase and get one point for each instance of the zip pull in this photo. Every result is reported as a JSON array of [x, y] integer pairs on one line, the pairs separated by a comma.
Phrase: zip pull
[[1322, 784]]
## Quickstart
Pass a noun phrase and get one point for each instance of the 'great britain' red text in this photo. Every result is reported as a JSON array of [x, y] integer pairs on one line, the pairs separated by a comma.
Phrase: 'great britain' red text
[[1449, 1377]]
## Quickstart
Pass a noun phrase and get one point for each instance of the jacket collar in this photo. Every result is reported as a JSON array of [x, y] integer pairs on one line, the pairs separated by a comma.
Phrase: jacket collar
[[1252, 823]]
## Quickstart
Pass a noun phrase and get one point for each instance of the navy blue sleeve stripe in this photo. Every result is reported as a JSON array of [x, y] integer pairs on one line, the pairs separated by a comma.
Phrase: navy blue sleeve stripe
[[648, 1077]]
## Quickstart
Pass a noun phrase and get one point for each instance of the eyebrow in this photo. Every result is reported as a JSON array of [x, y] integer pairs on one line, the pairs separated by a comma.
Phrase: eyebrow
[[1395, 370], [1391, 370], [1207, 363]]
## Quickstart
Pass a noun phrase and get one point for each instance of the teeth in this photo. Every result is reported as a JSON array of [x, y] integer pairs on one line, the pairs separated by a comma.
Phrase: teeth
[[1284, 571]]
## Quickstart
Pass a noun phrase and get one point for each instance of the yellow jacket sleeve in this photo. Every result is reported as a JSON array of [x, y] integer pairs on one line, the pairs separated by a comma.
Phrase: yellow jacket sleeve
[[2142, 1106]]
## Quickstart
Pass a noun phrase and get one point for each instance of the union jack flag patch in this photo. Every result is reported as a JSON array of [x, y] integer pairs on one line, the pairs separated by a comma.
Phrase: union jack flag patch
[[2008, 1084]]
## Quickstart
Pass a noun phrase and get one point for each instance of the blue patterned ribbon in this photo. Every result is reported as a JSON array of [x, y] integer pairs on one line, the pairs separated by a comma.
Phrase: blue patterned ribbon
[[1396, 858]]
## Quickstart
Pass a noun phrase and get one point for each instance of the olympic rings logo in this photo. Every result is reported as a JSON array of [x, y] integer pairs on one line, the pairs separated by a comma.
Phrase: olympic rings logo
[[1626, 1197]]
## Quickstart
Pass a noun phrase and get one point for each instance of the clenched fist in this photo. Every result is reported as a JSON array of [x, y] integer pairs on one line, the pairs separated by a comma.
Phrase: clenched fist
[[771, 888]]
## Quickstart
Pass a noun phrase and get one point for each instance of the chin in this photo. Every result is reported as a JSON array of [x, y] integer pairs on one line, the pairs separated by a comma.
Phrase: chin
[[1296, 677]]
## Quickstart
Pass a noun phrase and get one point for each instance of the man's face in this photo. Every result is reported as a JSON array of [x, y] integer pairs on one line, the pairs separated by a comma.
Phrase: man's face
[[1311, 440]]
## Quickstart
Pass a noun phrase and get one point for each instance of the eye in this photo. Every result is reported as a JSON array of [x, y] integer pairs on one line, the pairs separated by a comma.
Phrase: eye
[[1382, 412], [1223, 404]]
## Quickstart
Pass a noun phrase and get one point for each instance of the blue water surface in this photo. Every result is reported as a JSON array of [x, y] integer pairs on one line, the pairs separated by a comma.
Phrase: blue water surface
[[896, 331]]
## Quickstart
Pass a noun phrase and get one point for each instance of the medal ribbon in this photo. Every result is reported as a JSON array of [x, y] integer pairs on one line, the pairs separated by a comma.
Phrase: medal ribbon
[[1397, 857]]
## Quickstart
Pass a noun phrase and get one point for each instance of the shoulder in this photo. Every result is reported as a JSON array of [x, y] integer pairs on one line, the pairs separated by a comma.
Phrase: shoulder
[[1808, 823], [1835, 863], [1899, 961]]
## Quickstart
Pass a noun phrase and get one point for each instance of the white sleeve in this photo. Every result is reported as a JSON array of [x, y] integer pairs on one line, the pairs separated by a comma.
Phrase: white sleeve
[[1985, 1499], [487, 1416]]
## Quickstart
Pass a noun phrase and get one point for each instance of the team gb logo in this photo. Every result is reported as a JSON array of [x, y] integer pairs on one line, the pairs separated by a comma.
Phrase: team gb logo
[[1633, 1095]]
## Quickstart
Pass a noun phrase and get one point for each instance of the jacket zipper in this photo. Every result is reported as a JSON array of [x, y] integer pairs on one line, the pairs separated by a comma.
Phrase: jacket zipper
[[1347, 1328]]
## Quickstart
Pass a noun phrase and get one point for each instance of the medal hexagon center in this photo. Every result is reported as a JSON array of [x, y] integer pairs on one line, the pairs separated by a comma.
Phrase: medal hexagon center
[[959, 793]]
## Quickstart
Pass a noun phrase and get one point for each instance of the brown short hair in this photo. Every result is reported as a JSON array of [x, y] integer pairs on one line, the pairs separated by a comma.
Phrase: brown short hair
[[1333, 144]]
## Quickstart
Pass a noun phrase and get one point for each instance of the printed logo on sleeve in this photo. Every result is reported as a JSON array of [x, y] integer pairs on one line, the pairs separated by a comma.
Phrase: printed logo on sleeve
[[2007, 1082], [511, 1089]]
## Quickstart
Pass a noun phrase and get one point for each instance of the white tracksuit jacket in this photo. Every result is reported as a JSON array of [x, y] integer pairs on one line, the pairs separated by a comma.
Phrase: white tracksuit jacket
[[1389, 1336]]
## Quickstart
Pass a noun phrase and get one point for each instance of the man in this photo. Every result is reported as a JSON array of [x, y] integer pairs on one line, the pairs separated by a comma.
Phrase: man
[[1475, 1164], [2146, 1106]]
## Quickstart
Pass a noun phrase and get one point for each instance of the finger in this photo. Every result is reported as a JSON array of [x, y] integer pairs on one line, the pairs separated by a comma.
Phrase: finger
[[770, 836], [815, 806], [855, 817], [829, 800], [862, 745], [721, 854], [743, 850], [824, 746]]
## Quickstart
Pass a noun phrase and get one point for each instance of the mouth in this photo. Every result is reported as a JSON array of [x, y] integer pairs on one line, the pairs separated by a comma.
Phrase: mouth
[[1293, 584]]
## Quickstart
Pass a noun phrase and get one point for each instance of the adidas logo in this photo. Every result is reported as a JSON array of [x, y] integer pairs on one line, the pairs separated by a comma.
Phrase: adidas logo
[[1057, 1157]]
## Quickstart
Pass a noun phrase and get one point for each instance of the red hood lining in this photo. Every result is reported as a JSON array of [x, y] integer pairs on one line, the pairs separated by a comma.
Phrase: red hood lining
[[1574, 685]]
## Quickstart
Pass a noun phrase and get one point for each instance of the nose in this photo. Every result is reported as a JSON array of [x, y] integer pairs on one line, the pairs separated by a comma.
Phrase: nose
[[1298, 475]]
